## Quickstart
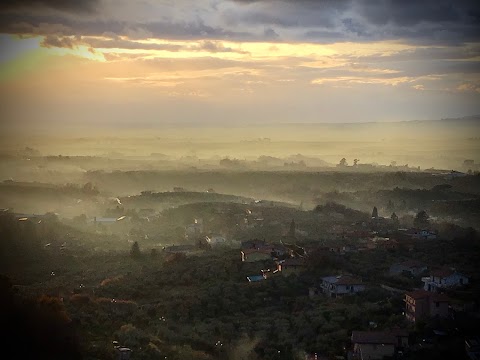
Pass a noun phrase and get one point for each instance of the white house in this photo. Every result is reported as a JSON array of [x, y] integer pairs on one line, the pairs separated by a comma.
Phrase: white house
[[444, 278], [337, 286]]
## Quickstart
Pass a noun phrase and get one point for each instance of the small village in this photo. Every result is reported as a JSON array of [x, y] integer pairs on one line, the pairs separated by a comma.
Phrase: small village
[[320, 262]]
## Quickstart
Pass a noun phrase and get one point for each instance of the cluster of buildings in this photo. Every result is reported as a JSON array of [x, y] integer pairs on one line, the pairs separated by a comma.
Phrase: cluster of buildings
[[286, 258], [431, 300]]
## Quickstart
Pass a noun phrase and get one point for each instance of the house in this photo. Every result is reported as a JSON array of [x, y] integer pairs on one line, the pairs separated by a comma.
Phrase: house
[[412, 267], [373, 345], [337, 286], [444, 278], [252, 255], [291, 265], [420, 304]]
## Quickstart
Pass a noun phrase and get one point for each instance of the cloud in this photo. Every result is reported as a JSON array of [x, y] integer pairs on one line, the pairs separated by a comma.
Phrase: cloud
[[58, 41], [417, 21], [327, 21], [469, 87], [82, 6]]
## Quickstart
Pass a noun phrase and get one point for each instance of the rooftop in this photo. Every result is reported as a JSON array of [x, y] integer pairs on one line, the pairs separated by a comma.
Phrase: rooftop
[[262, 251], [422, 294], [342, 280], [442, 273]]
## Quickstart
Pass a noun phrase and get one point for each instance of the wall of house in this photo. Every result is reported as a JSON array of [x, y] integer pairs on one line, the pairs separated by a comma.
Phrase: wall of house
[[374, 351], [339, 290], [439, 308], [456, 279], [348, 289], [452, 280], [416, 308]]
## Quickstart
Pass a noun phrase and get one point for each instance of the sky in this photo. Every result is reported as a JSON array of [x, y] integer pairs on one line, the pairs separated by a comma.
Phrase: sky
[[132, 62]]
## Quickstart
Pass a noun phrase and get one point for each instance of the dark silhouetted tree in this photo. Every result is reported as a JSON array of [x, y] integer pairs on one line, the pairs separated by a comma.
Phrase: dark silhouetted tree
[[135, 250], [421, 220], [343, 162], [394, 218]]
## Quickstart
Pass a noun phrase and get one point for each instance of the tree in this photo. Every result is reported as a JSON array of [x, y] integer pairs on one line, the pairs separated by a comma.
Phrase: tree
[[343, 162], [355, 162], [135, 250], [375, 213], [394, 218], [421, 220]]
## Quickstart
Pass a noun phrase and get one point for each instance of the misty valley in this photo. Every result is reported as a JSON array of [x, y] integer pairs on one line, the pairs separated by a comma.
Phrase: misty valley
[[170, 246]]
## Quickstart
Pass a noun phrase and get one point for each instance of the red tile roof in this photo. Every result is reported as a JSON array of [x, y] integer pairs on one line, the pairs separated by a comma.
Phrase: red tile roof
[[422, 294], [418, 294], [442, 273]]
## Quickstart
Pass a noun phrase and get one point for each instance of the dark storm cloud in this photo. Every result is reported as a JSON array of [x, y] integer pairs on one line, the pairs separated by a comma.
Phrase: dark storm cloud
[[412, 12], [55, 25], [324, 21], [83, 6], [419, 21]]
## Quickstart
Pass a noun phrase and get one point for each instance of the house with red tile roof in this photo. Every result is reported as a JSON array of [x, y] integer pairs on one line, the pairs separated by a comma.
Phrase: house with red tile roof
[[373, 345], [291, 265], [421, 304], [444, 278], [337, 286]]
